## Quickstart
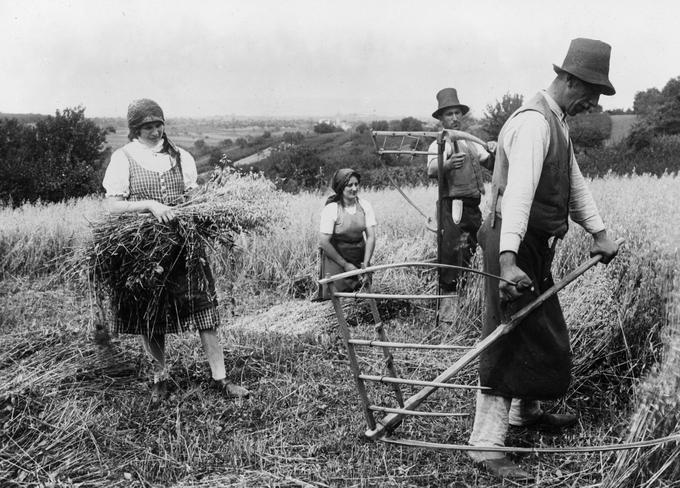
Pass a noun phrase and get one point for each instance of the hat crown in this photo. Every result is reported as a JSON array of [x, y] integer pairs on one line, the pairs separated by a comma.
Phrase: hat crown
[[448, 97], [588, 60], [590, 54]]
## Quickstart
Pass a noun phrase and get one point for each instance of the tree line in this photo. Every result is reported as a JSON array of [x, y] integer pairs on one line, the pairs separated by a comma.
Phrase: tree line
[[57, 157]]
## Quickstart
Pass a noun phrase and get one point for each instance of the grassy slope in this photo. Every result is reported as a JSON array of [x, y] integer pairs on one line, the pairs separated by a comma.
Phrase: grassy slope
[[72, 410]]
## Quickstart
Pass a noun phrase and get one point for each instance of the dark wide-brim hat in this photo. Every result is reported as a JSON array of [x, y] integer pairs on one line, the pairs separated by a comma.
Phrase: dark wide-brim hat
[[588, 60], [447, 98], [142, 112]]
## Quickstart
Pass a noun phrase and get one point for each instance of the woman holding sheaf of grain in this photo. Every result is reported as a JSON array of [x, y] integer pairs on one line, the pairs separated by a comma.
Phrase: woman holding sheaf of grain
[[347, 232], [151, 174]]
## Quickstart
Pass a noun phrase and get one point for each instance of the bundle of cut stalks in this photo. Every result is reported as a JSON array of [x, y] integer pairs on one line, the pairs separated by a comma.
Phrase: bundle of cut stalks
[[658, 415], [131, 256]]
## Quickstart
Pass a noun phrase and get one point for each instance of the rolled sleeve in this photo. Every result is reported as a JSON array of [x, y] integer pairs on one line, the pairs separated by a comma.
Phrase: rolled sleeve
[[582, 207]]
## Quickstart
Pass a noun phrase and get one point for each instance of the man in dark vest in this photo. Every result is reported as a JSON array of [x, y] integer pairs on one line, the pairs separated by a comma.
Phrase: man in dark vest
[[461, 217], [536, 187]]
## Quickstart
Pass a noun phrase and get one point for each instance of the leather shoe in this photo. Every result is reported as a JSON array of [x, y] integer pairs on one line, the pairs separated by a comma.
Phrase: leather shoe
[[506, 469], [552, 421], [230, 390]]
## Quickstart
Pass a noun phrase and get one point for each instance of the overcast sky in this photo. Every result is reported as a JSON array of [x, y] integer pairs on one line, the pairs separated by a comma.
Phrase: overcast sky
[[315, 57]]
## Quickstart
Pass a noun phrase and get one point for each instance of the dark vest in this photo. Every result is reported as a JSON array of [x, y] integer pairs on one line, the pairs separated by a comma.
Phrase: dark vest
[[466, 182], [550, 207]]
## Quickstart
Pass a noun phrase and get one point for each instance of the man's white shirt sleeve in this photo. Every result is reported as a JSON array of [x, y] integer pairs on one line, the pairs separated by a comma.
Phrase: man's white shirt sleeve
[[526, 139]]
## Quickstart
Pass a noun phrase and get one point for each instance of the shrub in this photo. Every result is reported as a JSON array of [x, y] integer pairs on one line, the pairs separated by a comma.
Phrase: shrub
[[293, 137], [659, 113], [590, 129], [326, 128], [410, 124], [296, 168], [380, 125], [496, 115], [658, 158], [57, 158]]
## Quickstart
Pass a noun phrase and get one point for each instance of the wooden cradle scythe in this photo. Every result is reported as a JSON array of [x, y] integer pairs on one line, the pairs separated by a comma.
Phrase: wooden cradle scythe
[[381, 429], [404, 148]]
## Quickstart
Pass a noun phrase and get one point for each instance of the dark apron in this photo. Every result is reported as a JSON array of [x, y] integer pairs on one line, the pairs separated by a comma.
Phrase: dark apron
[[534, 360], [348, 240], [352, 252]]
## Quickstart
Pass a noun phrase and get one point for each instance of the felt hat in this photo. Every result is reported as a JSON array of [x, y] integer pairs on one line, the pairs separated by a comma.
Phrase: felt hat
[[143, 111], [588, 60], [447, 98]]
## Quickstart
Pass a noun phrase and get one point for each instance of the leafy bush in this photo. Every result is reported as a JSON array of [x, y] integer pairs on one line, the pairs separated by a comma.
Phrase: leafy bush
[[410, 124], [496, 115], [659, 113], [296, 168], [659, 157], [380, 125], [56, 158], [590, 129], [326, 128], [293, 137]]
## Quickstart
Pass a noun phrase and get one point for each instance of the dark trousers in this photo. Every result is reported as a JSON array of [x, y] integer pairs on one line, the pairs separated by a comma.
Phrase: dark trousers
[[459, 241]]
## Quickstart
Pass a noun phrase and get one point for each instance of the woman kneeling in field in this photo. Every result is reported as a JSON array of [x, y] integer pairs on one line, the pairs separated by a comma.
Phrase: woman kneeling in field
[[150, 174], [347, 230]]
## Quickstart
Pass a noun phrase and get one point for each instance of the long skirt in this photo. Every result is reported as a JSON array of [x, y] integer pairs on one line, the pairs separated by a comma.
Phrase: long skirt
[[533, 361]]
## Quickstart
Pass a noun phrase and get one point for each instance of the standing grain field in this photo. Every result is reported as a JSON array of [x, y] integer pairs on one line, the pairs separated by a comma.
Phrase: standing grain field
[[75, 413]]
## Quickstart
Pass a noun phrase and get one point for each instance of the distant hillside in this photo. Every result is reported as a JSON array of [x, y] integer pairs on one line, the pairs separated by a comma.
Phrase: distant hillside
[[23, 118]]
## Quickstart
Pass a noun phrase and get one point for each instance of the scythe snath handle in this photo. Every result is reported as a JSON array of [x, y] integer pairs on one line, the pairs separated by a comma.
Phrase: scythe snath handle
[[392, 420]]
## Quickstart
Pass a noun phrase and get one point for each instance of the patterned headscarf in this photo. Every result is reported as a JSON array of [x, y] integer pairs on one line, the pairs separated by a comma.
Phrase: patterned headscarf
[[143, 111], [339, 182]]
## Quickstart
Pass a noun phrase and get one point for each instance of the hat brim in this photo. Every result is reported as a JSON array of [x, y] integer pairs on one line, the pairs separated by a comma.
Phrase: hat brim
[[606, 88], [438, 112]]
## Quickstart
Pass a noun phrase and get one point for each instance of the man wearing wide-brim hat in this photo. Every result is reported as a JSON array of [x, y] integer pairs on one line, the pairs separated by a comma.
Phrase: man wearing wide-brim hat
[[536, 187], [464, 186]]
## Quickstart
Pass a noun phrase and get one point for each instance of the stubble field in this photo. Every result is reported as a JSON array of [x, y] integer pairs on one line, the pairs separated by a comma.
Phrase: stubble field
[[76, 412]]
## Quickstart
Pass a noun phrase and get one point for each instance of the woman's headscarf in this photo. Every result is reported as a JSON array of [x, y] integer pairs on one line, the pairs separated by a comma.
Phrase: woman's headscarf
[[143, 111], [339, 182]]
